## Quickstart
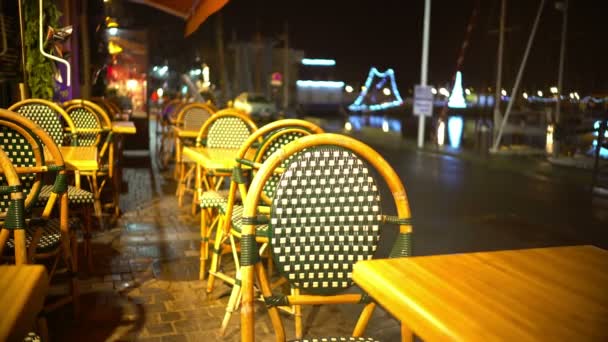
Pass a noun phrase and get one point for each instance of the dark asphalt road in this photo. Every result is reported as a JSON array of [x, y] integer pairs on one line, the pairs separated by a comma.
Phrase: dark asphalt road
[[463, 206]]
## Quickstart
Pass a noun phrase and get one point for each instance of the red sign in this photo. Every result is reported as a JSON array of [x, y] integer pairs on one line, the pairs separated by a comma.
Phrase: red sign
[[276, 79]]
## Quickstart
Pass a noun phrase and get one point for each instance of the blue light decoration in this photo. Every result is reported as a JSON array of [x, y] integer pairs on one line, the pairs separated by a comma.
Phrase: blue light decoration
[[603, 150], [358, 105], [456, 98], [318, 62], [455, 126], [319, 84]]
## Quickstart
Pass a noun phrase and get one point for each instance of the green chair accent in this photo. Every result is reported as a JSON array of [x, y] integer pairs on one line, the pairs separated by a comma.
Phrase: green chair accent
[[325, 216]]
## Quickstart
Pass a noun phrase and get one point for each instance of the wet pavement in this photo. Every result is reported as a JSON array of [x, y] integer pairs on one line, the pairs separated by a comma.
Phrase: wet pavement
[[144, 284]]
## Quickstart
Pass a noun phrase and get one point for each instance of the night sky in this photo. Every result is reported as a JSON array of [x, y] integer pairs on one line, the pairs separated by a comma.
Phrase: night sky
[[361, 34]]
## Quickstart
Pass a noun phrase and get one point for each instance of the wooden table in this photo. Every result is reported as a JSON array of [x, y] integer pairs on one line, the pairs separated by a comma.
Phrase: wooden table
[[545, 294], [23, 289], [80, 158], [212, 158], [123, 127]]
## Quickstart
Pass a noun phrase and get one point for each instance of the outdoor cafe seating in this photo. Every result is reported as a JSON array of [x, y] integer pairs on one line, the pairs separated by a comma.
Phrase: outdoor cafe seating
[[250, 157], [47, 234], [326, 216]]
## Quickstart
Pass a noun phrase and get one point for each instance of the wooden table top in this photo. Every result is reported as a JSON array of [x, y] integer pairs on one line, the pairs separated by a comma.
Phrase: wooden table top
[[123, 127], [212, 158], [81, 158], [23, 289], [550, 294]]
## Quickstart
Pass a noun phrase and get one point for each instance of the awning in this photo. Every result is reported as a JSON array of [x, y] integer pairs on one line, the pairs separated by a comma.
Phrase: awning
[[195, 12]]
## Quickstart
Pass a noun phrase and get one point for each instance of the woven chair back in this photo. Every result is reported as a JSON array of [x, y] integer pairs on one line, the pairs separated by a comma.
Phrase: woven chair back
[[325, 216], [52, 118], [23, 142], [227, 129], [192, 116]]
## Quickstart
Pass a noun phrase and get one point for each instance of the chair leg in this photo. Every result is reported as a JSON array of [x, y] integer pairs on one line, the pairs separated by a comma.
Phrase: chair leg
[[182, 184], [233, 301], [198, 189], [70, 259], [204, 244], [363, 320], [97, 200], [20, 251], [215, 256], [297, 315]]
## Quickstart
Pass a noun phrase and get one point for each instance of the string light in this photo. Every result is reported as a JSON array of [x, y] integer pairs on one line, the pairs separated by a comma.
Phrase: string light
[[358, 105], [319, 84], [318, 62]]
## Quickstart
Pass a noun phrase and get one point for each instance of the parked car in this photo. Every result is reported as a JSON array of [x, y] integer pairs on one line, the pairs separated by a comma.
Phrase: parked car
[[256, 105]]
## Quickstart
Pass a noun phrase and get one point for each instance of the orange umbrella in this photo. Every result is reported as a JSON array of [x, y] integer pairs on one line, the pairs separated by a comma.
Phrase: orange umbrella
[[195, 12]]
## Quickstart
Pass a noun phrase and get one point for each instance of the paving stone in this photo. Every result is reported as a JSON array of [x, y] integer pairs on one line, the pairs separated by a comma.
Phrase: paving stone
[[156, 307], [170, 316], [174, 338], [160, 329], [148, 339], [186, 325]]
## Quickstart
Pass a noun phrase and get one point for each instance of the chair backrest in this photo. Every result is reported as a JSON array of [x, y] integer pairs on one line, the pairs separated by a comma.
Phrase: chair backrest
[[269, 137], [90, 120], [51, 117], [99, 111], [326, 215], [226, 129], [274, 141], [12, 215], [29, 147], [193, 115]]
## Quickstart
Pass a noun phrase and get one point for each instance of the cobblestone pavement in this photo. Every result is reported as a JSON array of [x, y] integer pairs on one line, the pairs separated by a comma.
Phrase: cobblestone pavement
[[144, 282]]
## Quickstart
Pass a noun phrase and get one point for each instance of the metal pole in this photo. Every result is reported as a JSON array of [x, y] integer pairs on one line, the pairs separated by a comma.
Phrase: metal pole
[[501, 41], [519, 76], [424, 64], [560, 74]]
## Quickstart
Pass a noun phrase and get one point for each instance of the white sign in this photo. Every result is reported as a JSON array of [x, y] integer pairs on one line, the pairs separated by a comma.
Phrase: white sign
[[423, 100]]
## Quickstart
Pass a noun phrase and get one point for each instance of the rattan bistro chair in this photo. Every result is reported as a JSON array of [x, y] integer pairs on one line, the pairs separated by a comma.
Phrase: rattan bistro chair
[[94, 129], [326, 215], [165, 135], [46, 237], [226, 129], [276, 135], [190, 117], [261, 141]]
